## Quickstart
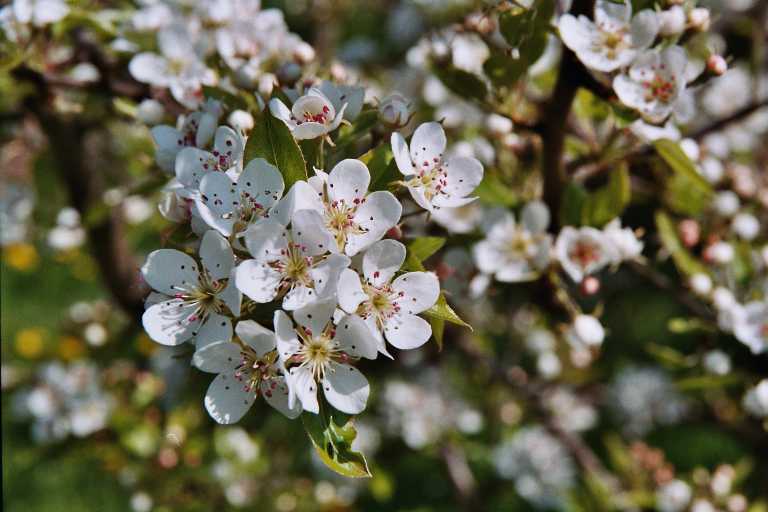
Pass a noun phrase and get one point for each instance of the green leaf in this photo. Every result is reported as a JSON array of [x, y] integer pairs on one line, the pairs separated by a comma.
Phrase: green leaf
[[272, 140], [686, 191], [684, 260], [332, 434], [419, 250], [438, 329], [572, 204], [464, 84], [708, 382], [503, 69], [608, 202], [442, 311], [493, 192], [382, 166]]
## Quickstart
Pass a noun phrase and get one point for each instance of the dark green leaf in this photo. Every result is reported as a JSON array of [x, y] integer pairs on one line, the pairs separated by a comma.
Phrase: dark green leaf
[[687, 192], [462, 83], [230, 100], [684, 261], [419, 250], [608, 202], [272, 140], [382, 166]]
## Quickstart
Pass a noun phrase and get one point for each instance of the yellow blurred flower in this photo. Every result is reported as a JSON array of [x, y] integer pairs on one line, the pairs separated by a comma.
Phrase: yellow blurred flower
[[21, 256], [29, 342], [71, 348], [145, 345]]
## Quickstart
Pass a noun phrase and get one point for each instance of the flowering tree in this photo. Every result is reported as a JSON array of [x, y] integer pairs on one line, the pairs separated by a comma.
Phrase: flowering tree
[[526, 238]]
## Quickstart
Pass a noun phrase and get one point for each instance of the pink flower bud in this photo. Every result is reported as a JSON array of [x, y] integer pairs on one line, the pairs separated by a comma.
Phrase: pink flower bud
[[590, 285], [716, 64], [689, 231]]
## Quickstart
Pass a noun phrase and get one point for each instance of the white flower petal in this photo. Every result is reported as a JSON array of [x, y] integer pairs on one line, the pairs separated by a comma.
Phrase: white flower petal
[[302, 385], [285, 336], [428, 145], [346, 388], [259, 338], [257, 280], [169, 142], [355, 337], [379, 213], [266, 240], [348, 181], [301, 196], [231, 296], [168, 270], [262, 182], [191, 165], [217, 201], [228, 143], [419, 291], [149, 68], [382, 260], [315, 316], [407, 331], [299, 296], [401, 154], [217, 357], [645, 27], [309, 231], [168, 323], [226, 400], [464, 174], [214, 328], [276, 393], [350, 291], [326, 274], [278, 109], [216, 255]]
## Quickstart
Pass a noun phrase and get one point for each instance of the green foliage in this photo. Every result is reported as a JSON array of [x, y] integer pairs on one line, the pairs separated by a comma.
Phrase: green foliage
[[462, 83], [686, 192], [419, 250], [684, 261], [332, 433], [382, 167], [493, 191], [230, 100], [581, 207], [272, 140]]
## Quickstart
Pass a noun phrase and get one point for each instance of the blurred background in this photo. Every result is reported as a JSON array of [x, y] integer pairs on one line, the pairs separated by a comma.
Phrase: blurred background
[[96, 416]]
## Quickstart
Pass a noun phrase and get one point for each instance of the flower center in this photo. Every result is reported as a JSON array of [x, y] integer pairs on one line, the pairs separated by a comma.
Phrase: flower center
[[584, 253], [318, 351], [339, 218], [432, 179], [203, 297], [253, 370], [315, 117], [381, 303]]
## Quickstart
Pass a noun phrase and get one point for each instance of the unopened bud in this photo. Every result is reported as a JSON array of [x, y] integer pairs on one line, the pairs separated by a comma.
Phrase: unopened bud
[[267, 83], [672, 21], [150, 112], [699, 18], [716, 64], [701, 284], [395, 232], [590, 285], [689, 231], [288, 73], [395, 111], [304, 53], [241, 120]]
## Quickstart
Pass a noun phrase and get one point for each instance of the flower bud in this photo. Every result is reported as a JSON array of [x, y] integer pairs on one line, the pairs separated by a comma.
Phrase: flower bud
[[717, 362], [499, 125], [150, 112], [241, 120], [672, 21], [304, 53], [746, 226], [716, 64], [727, 203], [395, 232], [288, 73], [590, 285], [701, 284], [723, 298], [395, 110], [267, 83], [699, 18], [721, 253], [689, 231]]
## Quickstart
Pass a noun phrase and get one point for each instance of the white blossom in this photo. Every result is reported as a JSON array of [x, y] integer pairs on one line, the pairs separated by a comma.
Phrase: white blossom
[[316, 353], [192, 299], [389, 305], [433, 181], [311, 116], [614, 39], [756, 400], [584, 251], [245, 370]]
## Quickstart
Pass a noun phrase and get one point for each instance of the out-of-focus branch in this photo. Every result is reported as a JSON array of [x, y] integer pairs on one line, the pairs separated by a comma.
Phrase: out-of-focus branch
[[460, 473], [679, 294], [81, 175]]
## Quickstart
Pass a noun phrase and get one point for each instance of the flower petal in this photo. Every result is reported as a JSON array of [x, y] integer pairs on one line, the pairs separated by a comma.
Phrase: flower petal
[[266, 240], [382, 260], [309, 231], [348, 181], [259, 338], [315, 316], [262, 182], [217, 357], [326, 274], [216, 255], [301, 196], [217, 202], [302, 385], [169, 142], [257, 280], [346, 388], [149, 68], [419, 291], [229, 144], [401, 154], [168, 323], [407, 331], [168, 270], [285, 336], [464, 174], [428, 145], [355, 337], [377, 215], [350, 291], [214, 328], [276, 393], [191, 165], [226, 400]]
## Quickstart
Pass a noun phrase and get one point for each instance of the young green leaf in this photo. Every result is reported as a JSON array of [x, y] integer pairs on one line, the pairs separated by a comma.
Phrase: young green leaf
[[332, 433], [272, 140]]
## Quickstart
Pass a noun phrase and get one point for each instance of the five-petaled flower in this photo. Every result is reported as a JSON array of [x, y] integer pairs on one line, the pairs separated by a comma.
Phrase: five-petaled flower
[[311, 116], [389, 305], [583, 251], [192, 300], [245, 370], [433, 181], [316, 352]]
